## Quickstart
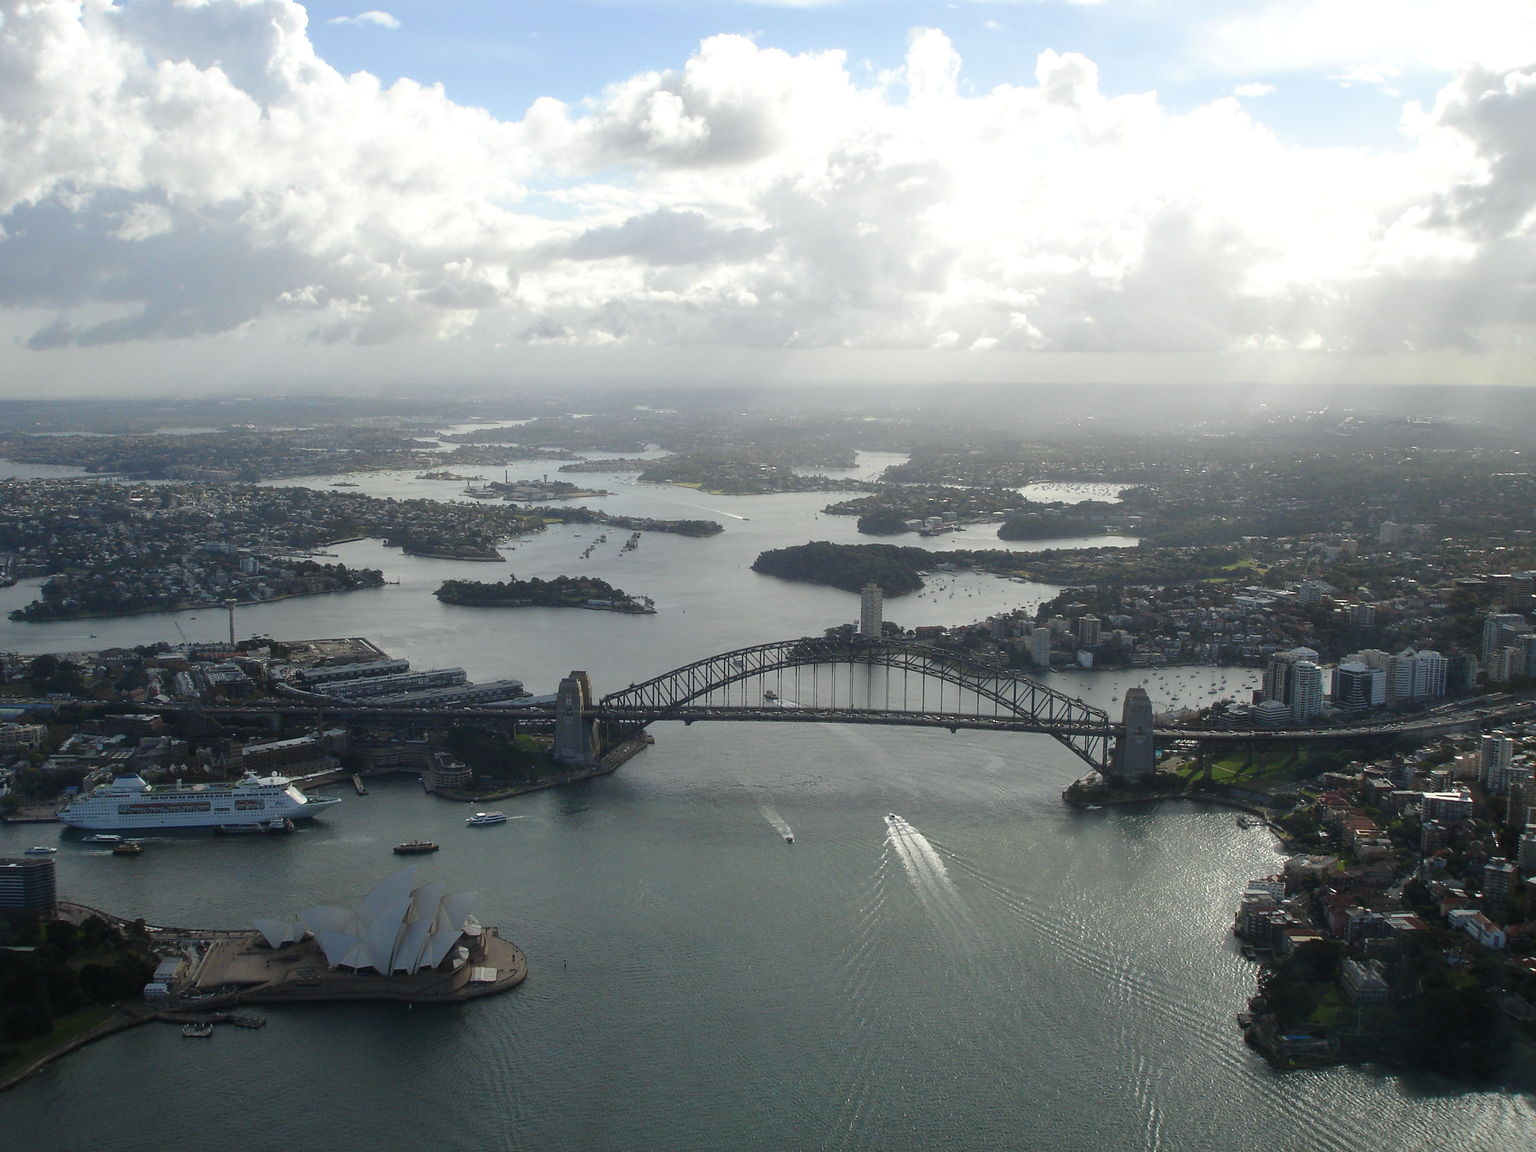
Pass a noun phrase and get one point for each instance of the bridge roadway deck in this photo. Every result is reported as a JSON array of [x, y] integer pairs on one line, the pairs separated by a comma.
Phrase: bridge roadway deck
[[689, 714], [539, 715]]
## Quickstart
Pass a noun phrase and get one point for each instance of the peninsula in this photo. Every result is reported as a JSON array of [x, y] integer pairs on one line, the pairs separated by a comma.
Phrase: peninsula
[[196, 977]]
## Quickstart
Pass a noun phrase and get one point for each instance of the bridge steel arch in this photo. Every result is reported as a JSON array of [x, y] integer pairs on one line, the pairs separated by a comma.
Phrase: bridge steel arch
[[1016, 701]]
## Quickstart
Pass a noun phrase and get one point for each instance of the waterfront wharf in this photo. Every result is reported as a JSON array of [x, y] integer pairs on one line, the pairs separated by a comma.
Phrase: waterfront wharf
[[238, 1019]]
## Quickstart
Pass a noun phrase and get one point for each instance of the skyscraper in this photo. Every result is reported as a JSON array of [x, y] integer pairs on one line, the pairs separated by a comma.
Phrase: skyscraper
[[1498, 882], [1528, 850], [1357, 688], [1526, 646], [1279, 673], [1306, 691], [1494, 754], [872, 611], [1088, 630], [1429, 671], [1500, 630], [28, 889]]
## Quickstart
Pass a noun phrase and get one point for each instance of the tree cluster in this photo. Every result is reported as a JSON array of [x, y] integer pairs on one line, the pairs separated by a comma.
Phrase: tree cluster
[[848, 566], [67, 969]]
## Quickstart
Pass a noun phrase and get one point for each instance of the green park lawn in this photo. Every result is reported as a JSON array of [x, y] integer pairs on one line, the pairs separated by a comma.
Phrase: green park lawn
[[1268, 767], [65, 1029]]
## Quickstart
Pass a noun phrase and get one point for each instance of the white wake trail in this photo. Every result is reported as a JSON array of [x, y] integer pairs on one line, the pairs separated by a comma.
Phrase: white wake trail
[[931, 882], [780, 825]]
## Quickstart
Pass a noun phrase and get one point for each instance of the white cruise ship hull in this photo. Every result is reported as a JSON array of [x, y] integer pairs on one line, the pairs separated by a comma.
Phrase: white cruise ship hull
[[129, 804]]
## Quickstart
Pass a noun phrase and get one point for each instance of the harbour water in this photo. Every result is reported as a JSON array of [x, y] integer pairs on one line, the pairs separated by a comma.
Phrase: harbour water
[[996, 971], [707, 598]]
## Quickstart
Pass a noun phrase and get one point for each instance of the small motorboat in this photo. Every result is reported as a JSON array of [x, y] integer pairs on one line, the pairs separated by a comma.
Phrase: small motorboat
[[770, 696], [789, 837], [41, 850], [481, 819], [415, 847]]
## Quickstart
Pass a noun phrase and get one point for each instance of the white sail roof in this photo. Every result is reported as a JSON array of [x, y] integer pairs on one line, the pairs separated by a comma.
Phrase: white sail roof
[[388, 892], [399, 927], [279, 932]]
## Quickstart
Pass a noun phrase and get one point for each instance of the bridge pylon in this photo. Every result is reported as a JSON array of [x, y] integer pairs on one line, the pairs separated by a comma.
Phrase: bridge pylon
[[577, 742], [1135, 755]]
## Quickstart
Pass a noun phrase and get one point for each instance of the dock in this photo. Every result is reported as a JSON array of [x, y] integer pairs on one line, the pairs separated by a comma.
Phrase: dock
[[238, 1019]]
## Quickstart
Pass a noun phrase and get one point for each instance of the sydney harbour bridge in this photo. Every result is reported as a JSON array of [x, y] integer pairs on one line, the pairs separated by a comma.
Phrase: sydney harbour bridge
[[857, 680]]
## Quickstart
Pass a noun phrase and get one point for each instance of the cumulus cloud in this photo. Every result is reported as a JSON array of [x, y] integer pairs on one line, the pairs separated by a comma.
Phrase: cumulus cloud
[[1497, 115], [182, 171], [373, 16], [1372, 40]]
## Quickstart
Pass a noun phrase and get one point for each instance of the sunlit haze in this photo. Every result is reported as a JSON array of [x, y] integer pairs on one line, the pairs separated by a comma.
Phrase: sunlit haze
[[242, 193]]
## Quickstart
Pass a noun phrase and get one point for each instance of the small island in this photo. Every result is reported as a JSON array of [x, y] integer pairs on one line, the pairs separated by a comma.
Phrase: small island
[[532, 491], [848, 566], [561, 592]]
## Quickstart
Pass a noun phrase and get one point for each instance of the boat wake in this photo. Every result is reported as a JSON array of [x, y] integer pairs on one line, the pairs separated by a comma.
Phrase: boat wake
[[930, 879], [686, 504], [780, 825]]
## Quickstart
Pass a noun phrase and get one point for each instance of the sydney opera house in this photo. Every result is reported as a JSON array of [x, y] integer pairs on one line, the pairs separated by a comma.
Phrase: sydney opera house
[[400, 927]]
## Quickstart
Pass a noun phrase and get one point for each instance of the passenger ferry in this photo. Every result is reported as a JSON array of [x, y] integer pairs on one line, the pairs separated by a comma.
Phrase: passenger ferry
[[130, 802], [415, 847]]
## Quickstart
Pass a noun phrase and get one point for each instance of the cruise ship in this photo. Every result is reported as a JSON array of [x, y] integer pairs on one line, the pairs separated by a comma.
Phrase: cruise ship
[[130, 802]]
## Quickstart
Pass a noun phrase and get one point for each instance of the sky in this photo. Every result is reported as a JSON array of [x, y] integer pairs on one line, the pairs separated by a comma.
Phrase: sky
[[208, 194]]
